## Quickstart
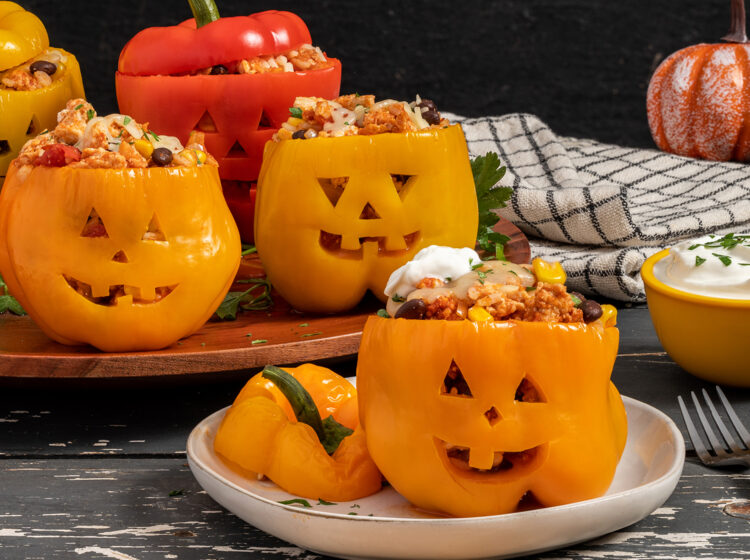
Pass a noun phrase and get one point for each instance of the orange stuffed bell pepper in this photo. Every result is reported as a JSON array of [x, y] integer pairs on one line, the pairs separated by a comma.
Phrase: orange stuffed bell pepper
[[509, 399], [351, 189], [233, 78], [113, 235], [274, 428], [35, 80]]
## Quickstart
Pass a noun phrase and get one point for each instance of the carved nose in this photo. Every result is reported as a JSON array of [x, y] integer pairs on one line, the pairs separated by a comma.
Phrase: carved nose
[[120, 257], [493, 416]]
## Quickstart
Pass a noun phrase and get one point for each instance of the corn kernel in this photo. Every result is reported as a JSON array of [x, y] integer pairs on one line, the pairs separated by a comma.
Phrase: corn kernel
[[479, 314], [189, 157], [200, 156], [549, 273], [284, 134], [144, 147], [609, 315], [294, 121]]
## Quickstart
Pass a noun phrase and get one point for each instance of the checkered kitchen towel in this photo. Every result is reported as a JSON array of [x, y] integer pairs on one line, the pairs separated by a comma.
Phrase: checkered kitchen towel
[[602, 209]]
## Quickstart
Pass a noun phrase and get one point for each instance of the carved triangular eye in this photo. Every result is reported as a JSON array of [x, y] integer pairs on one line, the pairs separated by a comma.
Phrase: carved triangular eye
[[265, 121], [402, 184], [369, 213], [527, 391], [334, 188], [236, 151], [33, 127], [4, 147], [154, 232], [454, 383], [120, 257], [206, 124], [94, 226]]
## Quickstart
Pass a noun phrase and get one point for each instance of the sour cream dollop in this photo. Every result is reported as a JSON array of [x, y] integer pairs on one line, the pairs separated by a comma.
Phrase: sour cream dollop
[[434, 261], [712, 265]]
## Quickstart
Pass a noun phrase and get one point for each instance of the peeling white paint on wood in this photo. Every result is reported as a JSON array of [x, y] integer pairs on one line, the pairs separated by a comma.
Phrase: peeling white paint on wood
[[691, 540], [106, 552], [12, 533], [291, 551], [154, 530]]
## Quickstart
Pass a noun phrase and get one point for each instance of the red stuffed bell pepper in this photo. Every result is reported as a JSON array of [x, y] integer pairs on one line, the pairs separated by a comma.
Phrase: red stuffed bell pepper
[[232, 78]]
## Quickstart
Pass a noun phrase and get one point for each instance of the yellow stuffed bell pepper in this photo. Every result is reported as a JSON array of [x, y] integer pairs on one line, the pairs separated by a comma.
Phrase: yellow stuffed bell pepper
[[165, 261], [35, 81], [335, 217], [274, 428], [537, 415]]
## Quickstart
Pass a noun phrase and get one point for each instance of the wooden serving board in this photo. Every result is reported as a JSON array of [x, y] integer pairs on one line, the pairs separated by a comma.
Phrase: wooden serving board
[[219, 346]]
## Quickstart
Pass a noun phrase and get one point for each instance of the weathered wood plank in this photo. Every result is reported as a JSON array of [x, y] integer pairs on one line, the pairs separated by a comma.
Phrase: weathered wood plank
[[122, 508]]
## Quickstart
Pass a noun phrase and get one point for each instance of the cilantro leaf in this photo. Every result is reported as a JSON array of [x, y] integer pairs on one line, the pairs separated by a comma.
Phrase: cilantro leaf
[[296, 112], [256, 297], [699, 260], [487, 172], [8, 302], [296, 502]]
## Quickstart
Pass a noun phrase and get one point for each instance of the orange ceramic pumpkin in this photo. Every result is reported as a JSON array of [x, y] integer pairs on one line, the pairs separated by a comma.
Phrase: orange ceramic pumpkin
[[698, 98]]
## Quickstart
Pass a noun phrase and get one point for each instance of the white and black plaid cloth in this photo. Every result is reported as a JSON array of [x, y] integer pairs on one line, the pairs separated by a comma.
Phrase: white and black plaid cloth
[[601, 209]]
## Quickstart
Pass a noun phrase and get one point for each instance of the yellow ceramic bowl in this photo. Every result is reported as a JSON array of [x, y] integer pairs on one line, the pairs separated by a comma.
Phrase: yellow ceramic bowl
[[706, 336]]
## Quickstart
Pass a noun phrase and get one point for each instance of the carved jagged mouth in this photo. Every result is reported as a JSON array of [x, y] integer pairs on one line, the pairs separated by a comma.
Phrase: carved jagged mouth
[[119, 294], [352, 247], [461, 459]]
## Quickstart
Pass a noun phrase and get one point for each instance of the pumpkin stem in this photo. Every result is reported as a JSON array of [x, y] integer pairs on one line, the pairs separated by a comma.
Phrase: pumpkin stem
[[738, 29], [204, 11]]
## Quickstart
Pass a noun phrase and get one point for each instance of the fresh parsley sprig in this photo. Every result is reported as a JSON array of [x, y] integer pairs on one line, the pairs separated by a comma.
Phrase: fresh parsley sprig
[[256, 298], [8, 302], [487, 172]]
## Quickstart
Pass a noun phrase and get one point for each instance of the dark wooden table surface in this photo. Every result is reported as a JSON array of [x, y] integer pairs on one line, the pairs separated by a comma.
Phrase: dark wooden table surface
[[98, 470]]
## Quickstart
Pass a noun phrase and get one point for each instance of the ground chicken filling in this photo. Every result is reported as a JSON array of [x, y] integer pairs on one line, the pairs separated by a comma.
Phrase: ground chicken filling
[[84, 140], [302, 59], [37, 73], [355, 114]]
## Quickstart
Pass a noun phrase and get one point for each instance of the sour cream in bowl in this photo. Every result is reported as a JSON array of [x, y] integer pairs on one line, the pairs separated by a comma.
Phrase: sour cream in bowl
[[698, 295]]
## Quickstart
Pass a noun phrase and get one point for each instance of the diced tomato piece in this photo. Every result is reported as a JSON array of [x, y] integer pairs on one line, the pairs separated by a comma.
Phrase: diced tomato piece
[[58, 155]]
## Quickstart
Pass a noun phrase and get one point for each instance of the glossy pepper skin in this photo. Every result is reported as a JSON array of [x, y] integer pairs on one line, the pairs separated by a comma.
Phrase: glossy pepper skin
[[259, 434], [24, 114], [22, 35], [245, 109], [577, 430], [42, 218], [437, 206]]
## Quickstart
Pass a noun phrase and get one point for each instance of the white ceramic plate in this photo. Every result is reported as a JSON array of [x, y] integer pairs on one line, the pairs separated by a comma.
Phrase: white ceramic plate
[[384, 525]]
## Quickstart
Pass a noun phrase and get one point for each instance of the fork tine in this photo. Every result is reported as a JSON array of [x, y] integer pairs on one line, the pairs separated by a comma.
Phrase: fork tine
[[718, 448], [700, 448], [738, 425], [728, 438]]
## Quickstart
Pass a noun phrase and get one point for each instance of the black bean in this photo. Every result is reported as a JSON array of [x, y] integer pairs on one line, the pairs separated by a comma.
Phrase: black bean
[[299, 134], [219, 69], [432, 117], [162, 156], [412, 309], [428, 104], [43, 66], [591, 310]]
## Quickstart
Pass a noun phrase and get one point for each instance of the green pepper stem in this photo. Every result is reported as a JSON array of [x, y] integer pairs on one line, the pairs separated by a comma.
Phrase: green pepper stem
[[204, 11], [302, 403], [737, 30]]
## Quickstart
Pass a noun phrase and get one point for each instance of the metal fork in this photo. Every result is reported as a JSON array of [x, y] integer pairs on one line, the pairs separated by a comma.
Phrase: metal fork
[[719, 454]]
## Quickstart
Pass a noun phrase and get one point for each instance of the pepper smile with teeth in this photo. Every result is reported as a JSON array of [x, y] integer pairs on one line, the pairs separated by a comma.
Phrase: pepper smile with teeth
[[462, 460], [120, 294]]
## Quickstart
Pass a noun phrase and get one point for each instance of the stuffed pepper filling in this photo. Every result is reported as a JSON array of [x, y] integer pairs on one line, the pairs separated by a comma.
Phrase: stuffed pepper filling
[[455, 284], [82, 139], [354, 114], [37, 73], [302, 59]]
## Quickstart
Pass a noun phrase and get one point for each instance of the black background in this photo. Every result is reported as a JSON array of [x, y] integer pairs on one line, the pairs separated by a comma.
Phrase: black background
[[583, 66]]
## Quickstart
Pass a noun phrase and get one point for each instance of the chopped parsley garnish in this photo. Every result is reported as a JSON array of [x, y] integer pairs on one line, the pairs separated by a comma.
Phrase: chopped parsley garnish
[[699, 260], [304, 325], [176, 493], [295, 502], [728, 242], [487, 172], [89, 114], [79, 106], [398, 299], [482, 274], [725, 260], [258, 341], [154, 136], [126, 121], [311, 334], [383, 313], [296, 112], [322, 502]]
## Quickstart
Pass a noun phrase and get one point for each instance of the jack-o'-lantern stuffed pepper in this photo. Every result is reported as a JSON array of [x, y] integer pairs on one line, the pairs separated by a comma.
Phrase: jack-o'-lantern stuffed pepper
[[233, 78], [490, 388], [113, 235], [35, 80], [351, 189], [274, 429]]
